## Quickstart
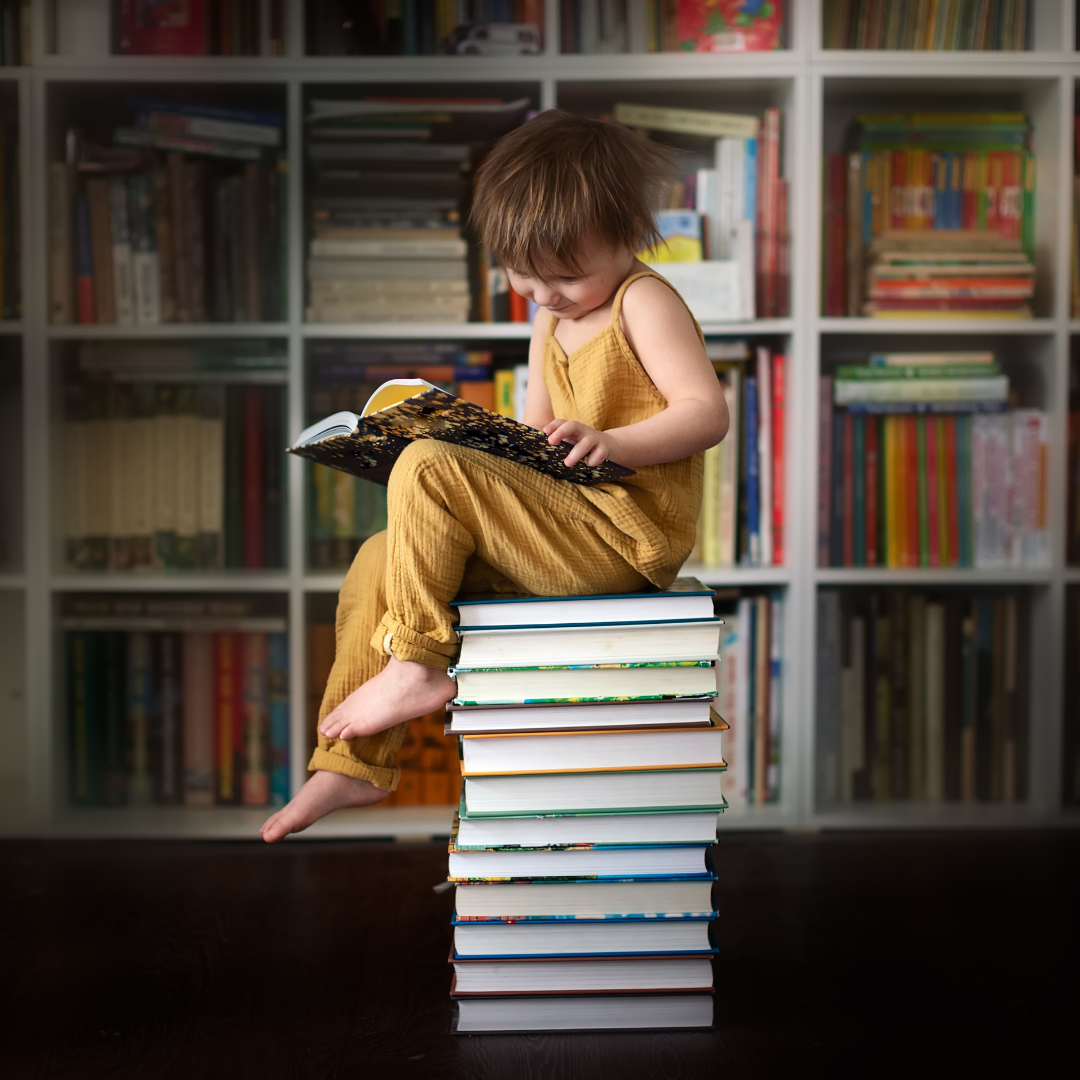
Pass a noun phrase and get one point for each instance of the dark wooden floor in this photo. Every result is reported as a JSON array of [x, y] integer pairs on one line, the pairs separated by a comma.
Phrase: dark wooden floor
[[840, 955]]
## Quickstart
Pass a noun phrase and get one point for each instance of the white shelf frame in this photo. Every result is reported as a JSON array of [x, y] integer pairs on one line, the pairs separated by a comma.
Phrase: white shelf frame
[[802, 72]]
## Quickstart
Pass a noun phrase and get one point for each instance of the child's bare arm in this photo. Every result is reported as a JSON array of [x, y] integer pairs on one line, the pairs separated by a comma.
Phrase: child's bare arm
[[538, 410], [661, 333]]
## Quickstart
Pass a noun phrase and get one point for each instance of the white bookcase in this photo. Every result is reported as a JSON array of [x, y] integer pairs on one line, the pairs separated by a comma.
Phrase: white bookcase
[[818, 91]]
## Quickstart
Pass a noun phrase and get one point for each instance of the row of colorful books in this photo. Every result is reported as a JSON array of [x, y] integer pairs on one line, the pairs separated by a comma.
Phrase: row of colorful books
[[390, 182], [728, 256], [742, 507], [958, 188], [508, 28], [637, 26], [750, 685], [175, 702], [950, 25], [922, 696], [198, 28], [165, 469], [934, 481], [10, 217], [181, 219], [581, 854]]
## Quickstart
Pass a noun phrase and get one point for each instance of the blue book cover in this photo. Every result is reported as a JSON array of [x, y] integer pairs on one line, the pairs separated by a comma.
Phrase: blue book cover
[[753, 490], [144, 105], [278, 694], [667, 916], [751, 183]]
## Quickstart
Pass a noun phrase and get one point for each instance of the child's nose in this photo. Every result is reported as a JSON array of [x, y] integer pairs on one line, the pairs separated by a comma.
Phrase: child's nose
[[545, 296]]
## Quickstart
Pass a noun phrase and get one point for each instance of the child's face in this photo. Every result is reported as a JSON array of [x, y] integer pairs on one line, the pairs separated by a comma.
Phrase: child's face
[[570, 296]]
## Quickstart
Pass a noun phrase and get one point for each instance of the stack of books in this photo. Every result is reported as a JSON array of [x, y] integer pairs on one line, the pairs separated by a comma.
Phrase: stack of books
[[910, 477], [591, 758], [948, 273], [390, 180]]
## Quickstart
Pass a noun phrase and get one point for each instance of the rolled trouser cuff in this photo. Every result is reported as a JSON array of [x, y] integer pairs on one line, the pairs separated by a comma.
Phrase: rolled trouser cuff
[[384, 777], [403, 643]]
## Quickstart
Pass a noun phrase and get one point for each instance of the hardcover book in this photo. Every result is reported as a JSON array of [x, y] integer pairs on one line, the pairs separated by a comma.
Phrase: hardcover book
[[402, 410]]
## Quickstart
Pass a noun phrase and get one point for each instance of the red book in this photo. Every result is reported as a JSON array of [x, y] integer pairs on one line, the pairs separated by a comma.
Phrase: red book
[[778, 459], [835, 287], [952, 506], [519, 307], [253, 478], [848, 516], [934, 544], [227, 730], [911, 490], [162, 27], [873, 426], [898, 190]]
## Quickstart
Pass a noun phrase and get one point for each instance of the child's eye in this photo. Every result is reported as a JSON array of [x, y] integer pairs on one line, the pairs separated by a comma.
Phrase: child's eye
[[568, 280]]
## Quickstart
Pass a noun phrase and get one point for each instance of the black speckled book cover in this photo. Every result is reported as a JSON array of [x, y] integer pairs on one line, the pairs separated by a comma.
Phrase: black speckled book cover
[[371, 450]]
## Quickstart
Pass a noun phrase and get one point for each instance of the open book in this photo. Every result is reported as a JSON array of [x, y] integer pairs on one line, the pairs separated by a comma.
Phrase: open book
[[406, 409]]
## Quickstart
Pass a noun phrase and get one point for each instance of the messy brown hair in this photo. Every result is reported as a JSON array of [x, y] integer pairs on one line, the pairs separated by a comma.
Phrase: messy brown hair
[[559, 180]]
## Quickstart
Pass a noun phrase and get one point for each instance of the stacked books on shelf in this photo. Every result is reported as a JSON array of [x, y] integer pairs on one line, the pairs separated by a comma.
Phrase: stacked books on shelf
[[750, 687], [730, 262], [922, 696], [931, 214], [176, 701], [391, 181], [951, 25], [10, 215], [742, 507], [183, 219], [344, 509], [444, 27], [199, 28], [173, 458], [637, 26], [922, 463], [581, 854]]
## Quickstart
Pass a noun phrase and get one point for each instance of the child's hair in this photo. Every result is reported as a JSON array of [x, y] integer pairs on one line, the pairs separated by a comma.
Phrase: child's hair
[[559, 180]]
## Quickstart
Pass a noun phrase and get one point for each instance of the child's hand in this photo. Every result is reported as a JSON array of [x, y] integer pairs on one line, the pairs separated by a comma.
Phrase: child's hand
[[590, 445]]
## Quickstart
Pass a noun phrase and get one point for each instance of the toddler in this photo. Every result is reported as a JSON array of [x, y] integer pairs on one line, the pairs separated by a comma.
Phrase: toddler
[[617, 368]]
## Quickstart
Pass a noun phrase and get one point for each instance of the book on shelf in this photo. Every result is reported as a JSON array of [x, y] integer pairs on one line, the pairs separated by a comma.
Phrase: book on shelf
[[687, 26], [742, 518], [175, 702], [926, 466], [403, 410], [166, 471], [198, 28], [939, 25], [733, 184], [922, 696], [931, 215], [174, 223]]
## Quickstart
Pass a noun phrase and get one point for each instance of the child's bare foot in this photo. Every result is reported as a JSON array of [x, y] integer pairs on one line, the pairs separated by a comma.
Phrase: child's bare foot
[[402, 690], [323, 793]]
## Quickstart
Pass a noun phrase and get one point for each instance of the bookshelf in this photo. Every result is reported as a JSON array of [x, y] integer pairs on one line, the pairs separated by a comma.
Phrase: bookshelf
[[818, 91]]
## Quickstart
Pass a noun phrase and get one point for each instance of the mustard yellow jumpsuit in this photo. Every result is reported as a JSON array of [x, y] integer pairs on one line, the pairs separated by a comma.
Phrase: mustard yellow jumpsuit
[[465, 523]]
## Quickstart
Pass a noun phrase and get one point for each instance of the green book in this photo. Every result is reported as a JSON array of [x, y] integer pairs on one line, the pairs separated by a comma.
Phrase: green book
[[877, 373], [921, 481]]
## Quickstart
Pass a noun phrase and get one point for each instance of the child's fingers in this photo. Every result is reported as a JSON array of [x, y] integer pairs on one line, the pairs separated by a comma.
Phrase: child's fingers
[[597, 457], [566, 431], [581, 448], [551, 425]]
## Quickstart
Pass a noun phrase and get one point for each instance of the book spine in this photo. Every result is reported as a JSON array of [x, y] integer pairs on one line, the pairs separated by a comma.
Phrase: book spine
[[163, 234], [178, 207], [776, 661], [278, 706], [198, 719], [84, 268], [97, 194], [828, 695], [83, 668], [165, 476], [752, 555], [859, 460], [194, 215], [825, 441], [168, 787], [255, 781], [112, 773], [61, 244], [227, 717], [836, 528], [234, 488], [874, 495], [729, 475], [847, 492], [188, 471], [145, 268], [140, 715], [762, 712], [123, 284], [253, 477], [273, 462], [922, 493], [933, 498], [779, 392]]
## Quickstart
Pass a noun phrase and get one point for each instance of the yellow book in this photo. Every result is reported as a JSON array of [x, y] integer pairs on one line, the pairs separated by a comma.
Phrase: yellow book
[[504, 392]]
